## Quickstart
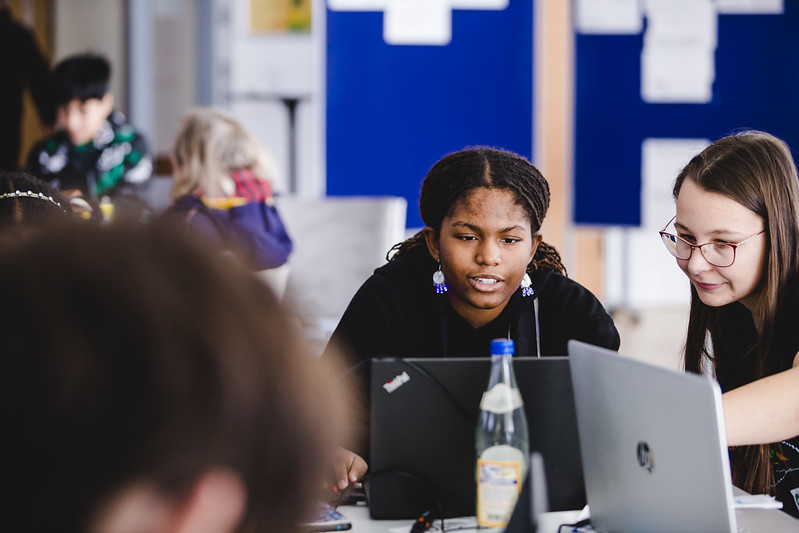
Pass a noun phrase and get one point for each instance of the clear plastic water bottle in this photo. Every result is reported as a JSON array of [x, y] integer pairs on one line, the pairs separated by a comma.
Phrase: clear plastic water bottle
[[502, 440]]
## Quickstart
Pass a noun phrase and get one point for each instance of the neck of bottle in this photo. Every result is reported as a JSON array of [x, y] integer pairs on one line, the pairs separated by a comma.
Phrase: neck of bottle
[[502, 370]]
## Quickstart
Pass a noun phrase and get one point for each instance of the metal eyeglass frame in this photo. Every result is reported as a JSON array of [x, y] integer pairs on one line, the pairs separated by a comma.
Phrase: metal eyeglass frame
[[733, 245]]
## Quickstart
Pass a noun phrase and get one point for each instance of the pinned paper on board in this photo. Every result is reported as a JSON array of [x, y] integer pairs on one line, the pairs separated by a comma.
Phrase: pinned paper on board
[[417, 22], [662, 159], [677, 74], [751, 7], [618, 17], [678, 59]]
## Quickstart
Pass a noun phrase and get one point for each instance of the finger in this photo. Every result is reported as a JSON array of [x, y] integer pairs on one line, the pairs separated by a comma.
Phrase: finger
[[357, 468], [341, 469]]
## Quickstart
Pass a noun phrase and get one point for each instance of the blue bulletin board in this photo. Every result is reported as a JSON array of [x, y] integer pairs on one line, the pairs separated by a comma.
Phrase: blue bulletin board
[[394, 110], [756, 86]]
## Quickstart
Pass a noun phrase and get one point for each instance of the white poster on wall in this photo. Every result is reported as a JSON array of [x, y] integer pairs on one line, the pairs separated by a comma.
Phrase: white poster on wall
[[678, 59], [751, 7], [608, 17], [416, 22], [640, 272]]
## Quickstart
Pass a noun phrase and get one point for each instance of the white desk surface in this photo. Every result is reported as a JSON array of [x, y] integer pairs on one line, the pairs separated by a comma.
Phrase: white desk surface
[[756, 520], [361, 523]]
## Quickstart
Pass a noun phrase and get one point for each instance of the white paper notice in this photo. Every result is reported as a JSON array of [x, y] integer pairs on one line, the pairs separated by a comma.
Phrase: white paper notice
[[639, 270], [677, 74], [751, 7], [681, 22], [417, 22], [661, 161], [608, 16], [678, 59], [477, 4]]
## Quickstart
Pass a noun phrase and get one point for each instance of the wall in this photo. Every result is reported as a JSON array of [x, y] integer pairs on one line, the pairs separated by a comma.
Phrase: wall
[[265, 68], [169, 60], [581, 248], [174, 68], [649, 96], [250, 71], [97, 26], [401, 93], [204, 53]]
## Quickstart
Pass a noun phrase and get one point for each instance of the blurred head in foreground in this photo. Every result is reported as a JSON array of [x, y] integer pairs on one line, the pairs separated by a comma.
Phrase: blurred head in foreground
[[27, 202], [148, 384]]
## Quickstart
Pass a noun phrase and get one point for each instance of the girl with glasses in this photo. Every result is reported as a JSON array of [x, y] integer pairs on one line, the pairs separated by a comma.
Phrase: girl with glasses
[[477, 271], [736, 237]]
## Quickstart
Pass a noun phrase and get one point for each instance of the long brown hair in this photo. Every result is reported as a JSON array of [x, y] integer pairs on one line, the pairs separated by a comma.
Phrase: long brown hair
[[756, 170], [456, 175]]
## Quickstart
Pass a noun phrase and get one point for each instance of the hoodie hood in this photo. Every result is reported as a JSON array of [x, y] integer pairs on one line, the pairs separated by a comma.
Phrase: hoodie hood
[[254, 231]]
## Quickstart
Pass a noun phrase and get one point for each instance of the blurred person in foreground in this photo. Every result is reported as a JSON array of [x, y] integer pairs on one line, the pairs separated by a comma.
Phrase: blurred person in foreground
[[26, 203], [134, 402]]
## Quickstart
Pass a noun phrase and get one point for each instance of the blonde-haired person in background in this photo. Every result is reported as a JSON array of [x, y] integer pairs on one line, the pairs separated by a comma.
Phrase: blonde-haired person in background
[[222, 189]]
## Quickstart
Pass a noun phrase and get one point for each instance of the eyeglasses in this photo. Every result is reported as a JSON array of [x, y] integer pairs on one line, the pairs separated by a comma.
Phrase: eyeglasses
[[716, 253]]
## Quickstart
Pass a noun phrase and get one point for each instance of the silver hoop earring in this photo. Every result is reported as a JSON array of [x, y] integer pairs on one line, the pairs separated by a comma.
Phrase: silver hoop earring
[[526, 286], [439, 282]]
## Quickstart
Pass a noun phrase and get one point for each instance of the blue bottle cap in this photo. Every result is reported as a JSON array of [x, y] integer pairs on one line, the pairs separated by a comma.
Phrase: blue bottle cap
[[502, 347]]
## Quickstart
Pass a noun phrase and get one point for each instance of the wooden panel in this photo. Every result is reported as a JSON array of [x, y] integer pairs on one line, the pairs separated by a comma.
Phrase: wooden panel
[[580, 248]]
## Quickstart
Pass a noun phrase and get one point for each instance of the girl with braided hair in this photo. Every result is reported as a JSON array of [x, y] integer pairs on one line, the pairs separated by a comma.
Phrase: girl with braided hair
[[478, 270]]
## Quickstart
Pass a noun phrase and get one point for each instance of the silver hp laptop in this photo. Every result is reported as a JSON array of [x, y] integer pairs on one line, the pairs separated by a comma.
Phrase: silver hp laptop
[[654, 449]]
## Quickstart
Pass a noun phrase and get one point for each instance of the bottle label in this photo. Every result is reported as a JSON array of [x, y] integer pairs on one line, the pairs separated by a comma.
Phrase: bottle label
[[498, 488], [501, 399]]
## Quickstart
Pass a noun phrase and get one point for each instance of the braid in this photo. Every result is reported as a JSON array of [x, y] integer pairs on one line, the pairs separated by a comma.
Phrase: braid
[[546, 257], [417, 241]]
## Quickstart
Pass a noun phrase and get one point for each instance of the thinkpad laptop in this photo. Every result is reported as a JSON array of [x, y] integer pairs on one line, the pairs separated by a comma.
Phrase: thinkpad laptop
[[654, 449], [423, 418]]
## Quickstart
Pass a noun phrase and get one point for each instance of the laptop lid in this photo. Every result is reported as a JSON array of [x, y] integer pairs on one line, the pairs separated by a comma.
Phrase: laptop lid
[[423, 418], [653, 445]]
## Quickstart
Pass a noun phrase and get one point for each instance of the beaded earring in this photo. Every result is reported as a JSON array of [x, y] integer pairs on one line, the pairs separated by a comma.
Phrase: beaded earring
[[526, 286], [439, 282]]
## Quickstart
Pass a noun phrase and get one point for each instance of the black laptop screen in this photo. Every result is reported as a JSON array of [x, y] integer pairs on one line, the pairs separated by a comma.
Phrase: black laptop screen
[[422, 430]]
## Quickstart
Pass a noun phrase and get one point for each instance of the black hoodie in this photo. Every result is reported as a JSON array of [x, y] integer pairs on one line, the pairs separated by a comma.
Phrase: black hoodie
[[397, 312]]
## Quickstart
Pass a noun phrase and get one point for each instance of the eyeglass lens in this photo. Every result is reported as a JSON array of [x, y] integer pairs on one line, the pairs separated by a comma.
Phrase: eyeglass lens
[[716, 253]]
